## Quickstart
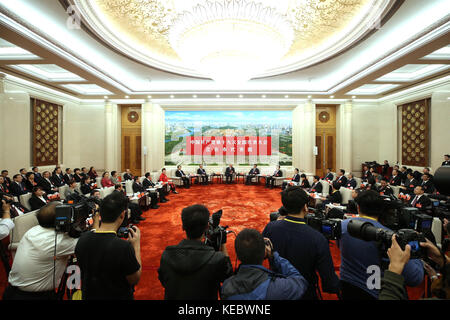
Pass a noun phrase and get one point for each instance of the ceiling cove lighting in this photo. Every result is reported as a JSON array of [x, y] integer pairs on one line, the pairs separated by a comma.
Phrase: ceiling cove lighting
[[231, 40]]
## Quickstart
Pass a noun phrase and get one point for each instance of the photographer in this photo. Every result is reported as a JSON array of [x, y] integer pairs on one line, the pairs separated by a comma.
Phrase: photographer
[[110, 266], [254, 282], [358, 255], [192, 269], [304, 247], [40, 260], [393, 282], [6, 224]]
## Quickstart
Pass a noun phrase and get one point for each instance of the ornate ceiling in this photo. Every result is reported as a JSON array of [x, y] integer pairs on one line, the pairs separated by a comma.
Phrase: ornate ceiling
[[323, 28]]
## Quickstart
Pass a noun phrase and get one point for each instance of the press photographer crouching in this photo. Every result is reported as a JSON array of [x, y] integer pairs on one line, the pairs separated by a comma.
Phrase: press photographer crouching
[[359, 257], [254, 282], [193, 270], [110, 266], [40, 260]]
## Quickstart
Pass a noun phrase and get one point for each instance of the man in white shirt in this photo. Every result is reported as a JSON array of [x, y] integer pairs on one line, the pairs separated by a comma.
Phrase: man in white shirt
[[31, 276], [6, 224]]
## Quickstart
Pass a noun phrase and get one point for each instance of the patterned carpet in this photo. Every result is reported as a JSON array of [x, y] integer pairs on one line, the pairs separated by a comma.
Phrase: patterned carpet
[[243, 207]]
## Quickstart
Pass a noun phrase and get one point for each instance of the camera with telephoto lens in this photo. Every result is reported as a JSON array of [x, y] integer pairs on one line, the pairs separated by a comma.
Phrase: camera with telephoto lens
[[216, 235], [275, 215], [329, 227], [72, 218], [366, 231]]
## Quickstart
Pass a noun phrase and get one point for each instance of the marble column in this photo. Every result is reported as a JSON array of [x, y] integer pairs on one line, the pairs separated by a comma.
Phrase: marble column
[[153, 145], [345, 137], [303, 133], [112, 147]]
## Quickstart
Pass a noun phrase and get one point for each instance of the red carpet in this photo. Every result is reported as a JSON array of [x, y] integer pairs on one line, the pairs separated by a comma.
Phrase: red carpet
[[243, 207]]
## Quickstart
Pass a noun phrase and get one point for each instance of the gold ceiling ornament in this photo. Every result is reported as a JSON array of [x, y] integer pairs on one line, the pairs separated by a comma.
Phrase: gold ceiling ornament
[[141, 28]]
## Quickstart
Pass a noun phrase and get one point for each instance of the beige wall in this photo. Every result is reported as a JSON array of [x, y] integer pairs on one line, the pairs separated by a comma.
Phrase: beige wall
[[82, 130]]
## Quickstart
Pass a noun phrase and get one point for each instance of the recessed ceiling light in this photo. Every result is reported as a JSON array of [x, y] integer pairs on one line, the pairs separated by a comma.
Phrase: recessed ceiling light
[[194, 96], [286, 96], [263, 96], [149, 97], [331, 97], [106, 97], [127, 97], [241, 96], [218, 96], [309, 97], [353, 97], [171, 96]]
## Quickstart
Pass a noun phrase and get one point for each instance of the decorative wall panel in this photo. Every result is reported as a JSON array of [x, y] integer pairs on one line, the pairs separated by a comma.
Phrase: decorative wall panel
[[415, 133], [45, 132]]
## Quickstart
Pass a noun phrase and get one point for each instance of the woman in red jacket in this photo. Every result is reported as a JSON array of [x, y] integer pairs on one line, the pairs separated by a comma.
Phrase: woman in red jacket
[[163, 178], [106, 181]]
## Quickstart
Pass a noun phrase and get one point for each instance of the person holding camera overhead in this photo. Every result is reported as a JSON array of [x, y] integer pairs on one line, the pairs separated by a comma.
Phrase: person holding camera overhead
[[301, 245], [358, 255], [110, 267], [254, 282], [32, 276], [192, 270]]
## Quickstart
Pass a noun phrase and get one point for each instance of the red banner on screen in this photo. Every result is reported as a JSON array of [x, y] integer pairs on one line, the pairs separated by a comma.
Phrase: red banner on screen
[[245, 146]]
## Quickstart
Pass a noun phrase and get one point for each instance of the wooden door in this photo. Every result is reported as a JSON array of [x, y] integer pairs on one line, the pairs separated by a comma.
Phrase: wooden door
[[131, 138], [325, 138]]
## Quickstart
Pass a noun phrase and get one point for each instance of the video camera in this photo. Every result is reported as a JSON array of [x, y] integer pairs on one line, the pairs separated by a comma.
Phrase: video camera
[[216, 235], [71, 218], [329, 227], [366, 231]]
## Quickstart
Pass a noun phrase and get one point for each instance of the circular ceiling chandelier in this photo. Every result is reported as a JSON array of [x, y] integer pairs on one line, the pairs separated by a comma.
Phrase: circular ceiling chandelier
[[231, 41]]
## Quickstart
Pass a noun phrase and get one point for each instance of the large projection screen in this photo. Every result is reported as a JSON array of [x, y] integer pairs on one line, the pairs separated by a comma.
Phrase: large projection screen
[[224, 137]]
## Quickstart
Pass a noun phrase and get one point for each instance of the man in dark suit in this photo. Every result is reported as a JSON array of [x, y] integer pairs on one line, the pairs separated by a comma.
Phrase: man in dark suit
[[17, 187], [334, 197], [148, 183], [329, 176], [341, 179], [427, 171], [138, 188], [23, 173], [446, 160], [7, 179], [37, 174], [46, 183], [203, 177], [77, 176], [180, 173], [427, 184], [316, 186], [410, 184], [252, 173], [270, 180], [57, 178], [351, 182], [84, 172], [420, 200], [295, 178], [127, 175], [403, 173], [366, 173], [395, 179], [384, 189], [229, 173], [68, 176], [385, 168]]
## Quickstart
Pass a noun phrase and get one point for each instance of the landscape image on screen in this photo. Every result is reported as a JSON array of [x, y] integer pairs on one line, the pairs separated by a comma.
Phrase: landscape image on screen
[[224, 137]]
